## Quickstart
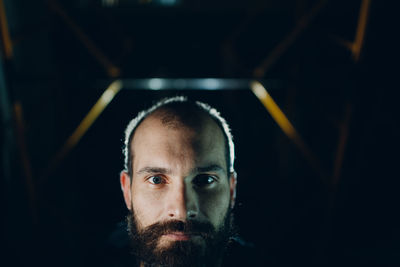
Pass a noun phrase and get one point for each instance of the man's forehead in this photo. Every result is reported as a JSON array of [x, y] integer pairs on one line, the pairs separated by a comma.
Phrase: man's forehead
[[205, 137], [189, 117], [197, 125]]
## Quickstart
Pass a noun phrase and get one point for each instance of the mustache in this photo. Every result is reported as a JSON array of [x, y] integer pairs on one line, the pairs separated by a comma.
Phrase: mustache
[[204, 229]]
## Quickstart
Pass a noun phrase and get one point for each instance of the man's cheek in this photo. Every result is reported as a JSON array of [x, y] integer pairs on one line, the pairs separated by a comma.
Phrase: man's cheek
[[147, 206], [143, 216], [215, 206]]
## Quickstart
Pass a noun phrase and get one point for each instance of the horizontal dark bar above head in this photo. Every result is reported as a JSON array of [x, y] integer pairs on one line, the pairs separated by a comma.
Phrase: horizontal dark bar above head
[[195, 84]]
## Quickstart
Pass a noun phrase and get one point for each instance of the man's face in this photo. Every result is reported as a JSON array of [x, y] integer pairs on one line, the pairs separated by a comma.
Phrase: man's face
[[179, 193]]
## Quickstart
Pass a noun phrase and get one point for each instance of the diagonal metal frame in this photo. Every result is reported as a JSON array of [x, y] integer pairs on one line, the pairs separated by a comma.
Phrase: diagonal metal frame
[[356, 46], [112, 70], [138, 84], [288, 129], [5, 35], [16, 119], [259, 72], [289, 40], [184, 84]]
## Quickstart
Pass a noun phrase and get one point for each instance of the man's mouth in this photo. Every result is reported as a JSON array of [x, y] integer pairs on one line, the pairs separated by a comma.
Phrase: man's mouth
[[180, 236]]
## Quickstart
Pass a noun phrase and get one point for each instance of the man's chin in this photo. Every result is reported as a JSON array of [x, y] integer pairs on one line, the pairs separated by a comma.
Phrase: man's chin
[[176, 253], [178, 243]]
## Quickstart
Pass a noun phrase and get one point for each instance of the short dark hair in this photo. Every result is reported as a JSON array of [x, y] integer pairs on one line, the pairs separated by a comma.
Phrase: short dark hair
[[176, 103]]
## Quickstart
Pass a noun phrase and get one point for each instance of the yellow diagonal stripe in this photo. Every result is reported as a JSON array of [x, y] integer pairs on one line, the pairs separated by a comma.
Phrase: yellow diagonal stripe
[[280, 118], [85, 124], [7, 44], [94, 113], [276, 113]]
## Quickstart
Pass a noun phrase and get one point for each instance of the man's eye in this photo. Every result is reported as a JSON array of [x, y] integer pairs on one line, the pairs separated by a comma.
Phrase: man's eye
[[204, 180], [156, 180]]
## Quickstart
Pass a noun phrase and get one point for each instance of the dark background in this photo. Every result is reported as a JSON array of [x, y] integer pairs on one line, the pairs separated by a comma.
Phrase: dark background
[[295, 215]]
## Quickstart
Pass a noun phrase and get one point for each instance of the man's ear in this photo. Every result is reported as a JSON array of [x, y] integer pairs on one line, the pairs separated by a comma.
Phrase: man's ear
[[126, 188], [232, 185]]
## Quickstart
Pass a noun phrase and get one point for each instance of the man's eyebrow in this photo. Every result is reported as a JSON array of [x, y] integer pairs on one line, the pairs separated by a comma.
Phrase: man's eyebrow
[[153, 170], [210, 168]]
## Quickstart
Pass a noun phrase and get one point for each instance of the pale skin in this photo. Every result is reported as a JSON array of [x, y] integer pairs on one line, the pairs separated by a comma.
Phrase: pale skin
[[179, 173]]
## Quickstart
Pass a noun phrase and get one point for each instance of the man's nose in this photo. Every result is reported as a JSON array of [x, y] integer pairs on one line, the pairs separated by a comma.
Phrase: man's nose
[[182, 203]]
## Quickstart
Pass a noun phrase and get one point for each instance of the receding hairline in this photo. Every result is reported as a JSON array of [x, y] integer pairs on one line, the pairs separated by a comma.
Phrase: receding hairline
[[199, 120], [195, 118], [179, 103], [170, 118]]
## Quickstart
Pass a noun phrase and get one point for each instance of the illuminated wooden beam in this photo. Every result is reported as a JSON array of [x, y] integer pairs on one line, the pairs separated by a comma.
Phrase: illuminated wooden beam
[[19, 123], [361, 29], [282, 46], [356, 46], [5, 34], [85, 124], [287, 127]]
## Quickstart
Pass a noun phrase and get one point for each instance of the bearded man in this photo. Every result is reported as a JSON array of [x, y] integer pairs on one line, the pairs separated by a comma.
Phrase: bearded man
[[179, 185]]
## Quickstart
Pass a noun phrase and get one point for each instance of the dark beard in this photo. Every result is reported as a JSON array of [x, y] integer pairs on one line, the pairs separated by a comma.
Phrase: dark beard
[[208, 252]]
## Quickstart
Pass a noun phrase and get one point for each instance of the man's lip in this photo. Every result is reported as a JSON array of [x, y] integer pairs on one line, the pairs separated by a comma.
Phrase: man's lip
[[180, 236]]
